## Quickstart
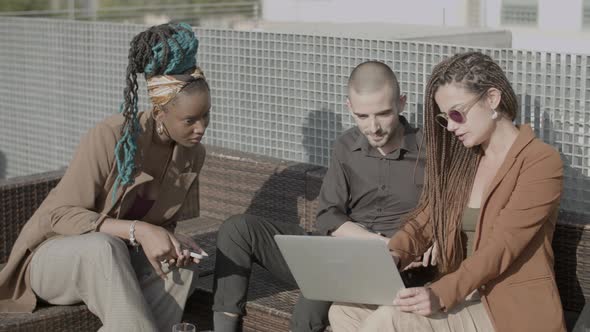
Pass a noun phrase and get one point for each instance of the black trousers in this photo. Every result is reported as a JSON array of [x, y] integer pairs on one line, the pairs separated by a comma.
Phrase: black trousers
[[243, 240]]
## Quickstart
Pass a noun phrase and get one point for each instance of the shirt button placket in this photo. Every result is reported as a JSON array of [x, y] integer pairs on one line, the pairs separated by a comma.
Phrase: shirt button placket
[[383, 168]]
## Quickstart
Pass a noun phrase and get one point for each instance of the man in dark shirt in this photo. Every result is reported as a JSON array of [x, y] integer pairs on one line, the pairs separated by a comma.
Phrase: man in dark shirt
[[375, 177], [368, 189]]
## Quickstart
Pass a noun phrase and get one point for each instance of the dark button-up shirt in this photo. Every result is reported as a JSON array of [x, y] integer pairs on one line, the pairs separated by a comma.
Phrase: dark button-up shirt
[[364, 186]]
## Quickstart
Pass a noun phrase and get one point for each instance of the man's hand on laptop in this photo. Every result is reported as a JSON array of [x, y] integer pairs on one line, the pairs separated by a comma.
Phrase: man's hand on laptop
[[352, 229], [428, 258]]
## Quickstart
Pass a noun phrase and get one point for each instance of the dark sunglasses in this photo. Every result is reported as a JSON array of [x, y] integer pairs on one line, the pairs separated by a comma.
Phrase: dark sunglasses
[[458, 116], [443, 118]]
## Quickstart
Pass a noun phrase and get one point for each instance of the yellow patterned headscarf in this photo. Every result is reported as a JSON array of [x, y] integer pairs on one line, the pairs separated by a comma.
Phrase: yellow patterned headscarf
[[163, 88]]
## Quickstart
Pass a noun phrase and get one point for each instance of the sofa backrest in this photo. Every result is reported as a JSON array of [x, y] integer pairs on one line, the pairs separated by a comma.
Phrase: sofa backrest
[[234, 182], [19, 199]]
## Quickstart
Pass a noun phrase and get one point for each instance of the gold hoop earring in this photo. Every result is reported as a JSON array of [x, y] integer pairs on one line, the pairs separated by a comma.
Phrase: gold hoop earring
[[155, 110]]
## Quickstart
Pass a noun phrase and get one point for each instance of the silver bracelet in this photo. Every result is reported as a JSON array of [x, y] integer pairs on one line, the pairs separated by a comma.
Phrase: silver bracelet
[[132, 239]]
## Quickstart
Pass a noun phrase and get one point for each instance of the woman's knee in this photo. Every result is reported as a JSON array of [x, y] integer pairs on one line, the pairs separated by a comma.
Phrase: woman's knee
[[348, 316], [104, 245], [387, 314], [390, 318], [336, 313]]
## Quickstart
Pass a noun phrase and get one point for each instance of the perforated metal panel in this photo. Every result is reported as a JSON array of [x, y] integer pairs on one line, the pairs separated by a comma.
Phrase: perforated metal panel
[[281, 95]]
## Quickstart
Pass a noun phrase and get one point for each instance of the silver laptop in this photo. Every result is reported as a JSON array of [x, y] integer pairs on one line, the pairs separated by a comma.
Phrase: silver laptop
[[341, 269]]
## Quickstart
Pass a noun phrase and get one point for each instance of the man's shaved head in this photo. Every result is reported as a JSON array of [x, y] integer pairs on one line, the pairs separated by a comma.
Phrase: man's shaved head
[[372, 76], [375, 103]]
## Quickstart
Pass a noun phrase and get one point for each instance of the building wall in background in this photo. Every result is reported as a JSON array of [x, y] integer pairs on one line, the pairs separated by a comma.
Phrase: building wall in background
[[544, 25], [429, 12]]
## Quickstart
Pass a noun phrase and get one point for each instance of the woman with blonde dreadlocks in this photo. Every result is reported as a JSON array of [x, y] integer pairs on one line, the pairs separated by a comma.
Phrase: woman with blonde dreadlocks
[[105, 235], [490, 203]]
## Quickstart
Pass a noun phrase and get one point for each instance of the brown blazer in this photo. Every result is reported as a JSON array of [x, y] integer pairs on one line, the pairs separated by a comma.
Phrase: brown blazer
[[83, 199], [512, 260]]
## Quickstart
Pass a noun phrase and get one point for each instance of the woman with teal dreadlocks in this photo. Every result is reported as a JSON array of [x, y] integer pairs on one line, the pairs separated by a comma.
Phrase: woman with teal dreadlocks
[[105, 235]]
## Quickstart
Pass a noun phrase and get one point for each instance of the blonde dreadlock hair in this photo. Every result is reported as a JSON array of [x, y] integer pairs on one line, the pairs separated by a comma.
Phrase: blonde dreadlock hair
[[450, 167]]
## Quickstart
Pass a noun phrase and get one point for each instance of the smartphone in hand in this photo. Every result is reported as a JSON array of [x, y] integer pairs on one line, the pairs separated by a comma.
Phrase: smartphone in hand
[[202, 255]]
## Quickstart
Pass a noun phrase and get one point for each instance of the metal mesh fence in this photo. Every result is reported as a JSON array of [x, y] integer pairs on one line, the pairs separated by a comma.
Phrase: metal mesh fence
[[280, 95]]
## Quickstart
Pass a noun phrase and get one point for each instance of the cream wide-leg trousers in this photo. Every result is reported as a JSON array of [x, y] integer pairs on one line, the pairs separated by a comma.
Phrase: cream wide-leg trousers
[[469, 316], [117, 283]]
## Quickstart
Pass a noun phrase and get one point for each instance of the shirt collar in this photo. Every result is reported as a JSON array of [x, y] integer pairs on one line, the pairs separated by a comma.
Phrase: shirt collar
[[409, 141]]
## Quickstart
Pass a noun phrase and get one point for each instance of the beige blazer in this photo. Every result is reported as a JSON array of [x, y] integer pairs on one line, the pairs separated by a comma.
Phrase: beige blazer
[[83, 199], [512, 260]]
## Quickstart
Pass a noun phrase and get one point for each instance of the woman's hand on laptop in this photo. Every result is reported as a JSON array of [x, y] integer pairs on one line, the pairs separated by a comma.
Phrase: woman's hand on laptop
[[430, 257], [419, 300]]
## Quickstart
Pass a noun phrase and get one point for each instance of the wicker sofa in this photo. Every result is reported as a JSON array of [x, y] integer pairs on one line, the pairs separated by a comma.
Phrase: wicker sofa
[[233, 182]]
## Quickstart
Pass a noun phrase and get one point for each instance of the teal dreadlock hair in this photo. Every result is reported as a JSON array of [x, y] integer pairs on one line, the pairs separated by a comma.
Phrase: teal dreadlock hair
[[167, 49]]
